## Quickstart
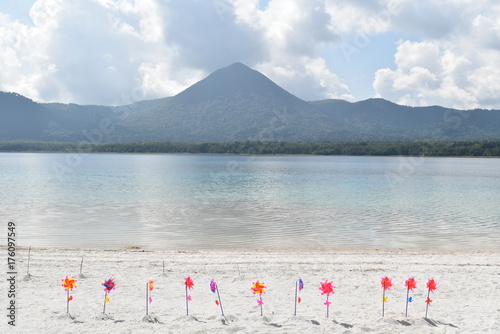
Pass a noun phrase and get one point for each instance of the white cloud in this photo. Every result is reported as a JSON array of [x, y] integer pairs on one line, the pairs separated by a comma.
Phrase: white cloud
[[115, 51], [455, 66], [294, 33]]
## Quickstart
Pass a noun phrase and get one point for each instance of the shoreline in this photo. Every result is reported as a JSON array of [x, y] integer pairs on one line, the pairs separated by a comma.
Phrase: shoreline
[[138, 249]]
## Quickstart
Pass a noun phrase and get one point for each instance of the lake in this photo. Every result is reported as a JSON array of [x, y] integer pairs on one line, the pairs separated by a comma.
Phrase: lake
[[235, 201]]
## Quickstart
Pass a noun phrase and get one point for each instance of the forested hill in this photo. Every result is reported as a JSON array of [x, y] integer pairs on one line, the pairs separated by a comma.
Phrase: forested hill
[[237, 103]]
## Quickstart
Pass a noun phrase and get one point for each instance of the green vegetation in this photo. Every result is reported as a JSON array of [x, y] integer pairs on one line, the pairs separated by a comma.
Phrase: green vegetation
[[427, 148]]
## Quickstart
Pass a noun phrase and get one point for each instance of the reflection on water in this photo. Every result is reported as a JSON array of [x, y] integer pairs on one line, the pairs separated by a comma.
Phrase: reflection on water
[[215, 201]]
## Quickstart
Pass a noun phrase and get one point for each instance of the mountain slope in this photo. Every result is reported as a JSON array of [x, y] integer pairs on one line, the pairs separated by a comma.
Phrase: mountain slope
[[233, 103], [238, 103]]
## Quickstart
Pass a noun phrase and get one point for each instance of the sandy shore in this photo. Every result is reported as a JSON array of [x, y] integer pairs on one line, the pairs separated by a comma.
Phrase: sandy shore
[[467, 299]]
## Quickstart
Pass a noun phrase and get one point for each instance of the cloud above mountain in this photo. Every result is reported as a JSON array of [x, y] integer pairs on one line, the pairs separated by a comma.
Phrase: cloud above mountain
[[120, 51]]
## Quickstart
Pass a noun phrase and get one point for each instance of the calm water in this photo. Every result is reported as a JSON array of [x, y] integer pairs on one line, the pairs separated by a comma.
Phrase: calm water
[[224, 201]]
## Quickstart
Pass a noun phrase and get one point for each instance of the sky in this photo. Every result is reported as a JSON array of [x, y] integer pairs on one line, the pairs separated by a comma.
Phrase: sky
[[115, 52]]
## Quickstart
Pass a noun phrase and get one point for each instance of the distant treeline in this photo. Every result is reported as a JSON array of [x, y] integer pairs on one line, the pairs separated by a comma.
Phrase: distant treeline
[[427, 148]]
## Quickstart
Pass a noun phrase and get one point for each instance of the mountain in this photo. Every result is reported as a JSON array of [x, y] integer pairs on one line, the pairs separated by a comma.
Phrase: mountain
[[21, 118], [238, 103], [233, 103]]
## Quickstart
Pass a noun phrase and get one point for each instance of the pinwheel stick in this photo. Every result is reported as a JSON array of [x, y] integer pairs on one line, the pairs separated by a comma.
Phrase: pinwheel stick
[[261, 314], [220, 302], [327, 306], [147, 298], [187, 301], [427, 307], [29, 256], [296, 289], [383, 301], [407, 297], [67, 301], [105, 299]]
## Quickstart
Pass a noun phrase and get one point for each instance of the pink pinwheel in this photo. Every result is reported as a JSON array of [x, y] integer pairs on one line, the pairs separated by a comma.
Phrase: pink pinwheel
[[326, 288]]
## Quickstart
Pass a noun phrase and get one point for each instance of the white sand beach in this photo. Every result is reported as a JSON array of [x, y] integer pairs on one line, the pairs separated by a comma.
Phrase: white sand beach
[[467, 299]]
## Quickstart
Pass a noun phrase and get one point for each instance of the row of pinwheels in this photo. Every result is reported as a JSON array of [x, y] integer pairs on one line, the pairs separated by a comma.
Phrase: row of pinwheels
[[258, 288]]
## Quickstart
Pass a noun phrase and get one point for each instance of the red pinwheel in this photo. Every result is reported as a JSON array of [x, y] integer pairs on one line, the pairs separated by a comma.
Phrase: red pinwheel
[[69, 283], [431, 286], [326, 288], [410, 284], [386, 283], [188, 282]]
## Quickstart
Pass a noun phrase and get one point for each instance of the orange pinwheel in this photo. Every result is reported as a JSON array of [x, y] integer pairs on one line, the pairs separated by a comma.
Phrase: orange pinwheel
[[69, 283], [258, 288]]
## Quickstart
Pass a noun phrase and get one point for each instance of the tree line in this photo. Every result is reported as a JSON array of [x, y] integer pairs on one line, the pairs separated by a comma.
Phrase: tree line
[[424, 148]]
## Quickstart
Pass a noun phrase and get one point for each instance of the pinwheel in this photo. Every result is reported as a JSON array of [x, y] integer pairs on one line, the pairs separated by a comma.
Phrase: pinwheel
[[69, 283], [109, 285], [259, 288], [410, 284], [215, 288], [326, 288], [299, 285], [150, 285], [431, 286], [386, 285], [188, 282]]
